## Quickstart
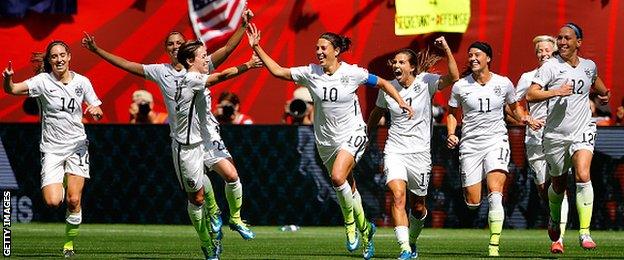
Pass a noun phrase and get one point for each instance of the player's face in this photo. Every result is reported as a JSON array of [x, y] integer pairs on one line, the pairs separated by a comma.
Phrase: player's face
[[174, 41], [567, 42], [543, 51], [200, 63], [325, 52], [401, 67], [59, 59], [477, 59]]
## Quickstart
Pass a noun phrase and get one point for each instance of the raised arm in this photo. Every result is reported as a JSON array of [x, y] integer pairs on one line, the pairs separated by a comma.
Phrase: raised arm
[[276, 70], [88, 41], [232, 72], [394, 94], [224, 52], [536, 93], [453, 71], [9, 86], [451, 124]]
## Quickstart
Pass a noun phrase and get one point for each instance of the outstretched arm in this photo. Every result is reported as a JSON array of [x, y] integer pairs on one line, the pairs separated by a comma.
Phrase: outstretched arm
[[536, 93], [224, 52], [9, 86], [232, 72], [520, 115], [453, 71], [276, 70], [394, 94], [88, 41]]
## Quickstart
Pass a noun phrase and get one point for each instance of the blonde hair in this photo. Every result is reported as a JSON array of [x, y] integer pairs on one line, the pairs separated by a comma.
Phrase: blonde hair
[[545, 38]]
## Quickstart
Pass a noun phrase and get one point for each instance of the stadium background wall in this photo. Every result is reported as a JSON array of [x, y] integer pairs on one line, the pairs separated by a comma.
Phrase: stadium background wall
[[133, 181]]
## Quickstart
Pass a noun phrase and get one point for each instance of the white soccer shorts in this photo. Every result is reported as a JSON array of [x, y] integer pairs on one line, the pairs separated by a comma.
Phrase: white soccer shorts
[[54, 166], [476, 165], [559, 153], [537, 162], [215, 151], [188, 164], [413, 168], [355, 145]]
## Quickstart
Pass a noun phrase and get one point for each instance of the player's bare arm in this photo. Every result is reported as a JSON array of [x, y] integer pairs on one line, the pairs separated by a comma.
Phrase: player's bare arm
[[88, 42]]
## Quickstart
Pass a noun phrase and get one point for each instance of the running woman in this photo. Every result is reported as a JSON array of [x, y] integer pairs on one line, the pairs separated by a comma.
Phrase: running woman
[[339, 130], [60, 93], [484, 147], [407, 153]]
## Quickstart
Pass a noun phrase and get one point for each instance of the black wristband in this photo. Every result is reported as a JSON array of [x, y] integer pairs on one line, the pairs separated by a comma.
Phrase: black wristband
[[242, 68]]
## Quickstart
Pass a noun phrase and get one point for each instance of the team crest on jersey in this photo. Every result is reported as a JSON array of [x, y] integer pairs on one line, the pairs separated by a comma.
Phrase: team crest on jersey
[[417, 88], [589, 73], [344, 80], [497, 91], [79, 91]]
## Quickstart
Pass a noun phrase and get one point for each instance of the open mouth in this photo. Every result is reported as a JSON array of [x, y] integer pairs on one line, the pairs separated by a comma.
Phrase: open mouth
[[321, 57], [398, 73]]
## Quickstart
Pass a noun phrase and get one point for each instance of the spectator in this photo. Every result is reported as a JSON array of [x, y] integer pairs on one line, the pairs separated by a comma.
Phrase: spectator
[[619, 114], [228, 110], [142, 109], [598, 116], [300, 109]]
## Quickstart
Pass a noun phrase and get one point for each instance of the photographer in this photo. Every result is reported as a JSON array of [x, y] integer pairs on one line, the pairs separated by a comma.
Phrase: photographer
[[228, 110], [142, 109], [300, 109]]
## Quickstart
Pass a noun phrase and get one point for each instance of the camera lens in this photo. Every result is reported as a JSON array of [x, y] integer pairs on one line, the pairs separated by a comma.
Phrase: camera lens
[[297, 108], [144, 108], [228, 110]]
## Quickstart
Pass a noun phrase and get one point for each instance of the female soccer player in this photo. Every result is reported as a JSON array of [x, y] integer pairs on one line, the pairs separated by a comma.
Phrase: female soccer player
[[216, 156], [64, 145], [569, 134], [407, 153], [191, 106], [339, 129], [545, 45], [484, 148]]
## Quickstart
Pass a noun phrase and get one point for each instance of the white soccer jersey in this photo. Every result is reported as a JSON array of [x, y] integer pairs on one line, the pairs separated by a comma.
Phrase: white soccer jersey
[[168, 80], [537, 110], [410, 135], [337, 111], [190, 108], [483, 111], [567, 116], [60, 106]]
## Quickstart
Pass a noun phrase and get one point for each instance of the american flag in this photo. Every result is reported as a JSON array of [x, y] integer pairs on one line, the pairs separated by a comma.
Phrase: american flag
[[214, 21]]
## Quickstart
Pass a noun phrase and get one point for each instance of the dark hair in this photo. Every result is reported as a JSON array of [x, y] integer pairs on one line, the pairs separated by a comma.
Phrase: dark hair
[[483, 46], [338, 41], [229, 96], [172, 33], [46, 65], [422, 61], [187, 52], [577, 29]]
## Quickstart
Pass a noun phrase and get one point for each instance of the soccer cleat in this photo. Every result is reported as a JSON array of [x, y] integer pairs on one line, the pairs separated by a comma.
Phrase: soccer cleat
[[493, 250], [414, 250], [554, 230], [353, 239], [587, 242], [369, 246], [242, 229], [405, 255], [557, 247], [209, 254], [68, 253]]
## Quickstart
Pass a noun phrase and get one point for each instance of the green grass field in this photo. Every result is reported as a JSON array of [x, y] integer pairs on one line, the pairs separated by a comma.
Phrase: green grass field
[[119, 241]]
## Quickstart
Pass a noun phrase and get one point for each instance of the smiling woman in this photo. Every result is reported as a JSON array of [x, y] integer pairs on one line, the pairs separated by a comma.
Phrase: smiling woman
[[64, 145]]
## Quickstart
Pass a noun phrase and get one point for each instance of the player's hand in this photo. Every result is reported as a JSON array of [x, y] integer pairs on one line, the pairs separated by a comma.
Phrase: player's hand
[[247, 16], [564, 90], [407, 108], [441, 43], [253, 35], [88, 41], [604, 99], [255, 62], [452, 141], [8, 71], [95, 112], [534, 124]]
